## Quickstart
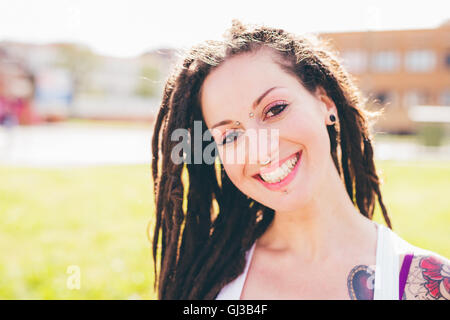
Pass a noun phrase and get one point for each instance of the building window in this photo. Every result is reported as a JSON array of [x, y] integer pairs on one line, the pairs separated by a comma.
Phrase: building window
[[416, 98], [355, 61], [385, 61], [445, 98], [420, 60]]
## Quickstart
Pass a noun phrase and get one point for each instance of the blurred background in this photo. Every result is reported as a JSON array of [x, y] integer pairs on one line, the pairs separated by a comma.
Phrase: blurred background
[[80, 85]]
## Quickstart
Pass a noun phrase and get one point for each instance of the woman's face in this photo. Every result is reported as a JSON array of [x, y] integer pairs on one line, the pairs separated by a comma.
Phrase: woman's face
[[289, 124]]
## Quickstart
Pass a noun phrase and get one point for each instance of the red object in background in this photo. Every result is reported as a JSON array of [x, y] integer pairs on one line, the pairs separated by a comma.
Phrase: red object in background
[[17, 111], [26, 116]]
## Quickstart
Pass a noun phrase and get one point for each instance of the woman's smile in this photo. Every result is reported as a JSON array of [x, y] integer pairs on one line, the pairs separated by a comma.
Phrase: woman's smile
[[278, 176]]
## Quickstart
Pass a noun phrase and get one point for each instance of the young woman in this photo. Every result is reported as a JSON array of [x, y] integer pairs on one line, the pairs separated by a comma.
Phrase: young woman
[[295, 223]]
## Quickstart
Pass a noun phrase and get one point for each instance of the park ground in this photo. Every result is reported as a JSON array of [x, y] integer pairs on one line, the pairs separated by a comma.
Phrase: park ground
[[96, 218]]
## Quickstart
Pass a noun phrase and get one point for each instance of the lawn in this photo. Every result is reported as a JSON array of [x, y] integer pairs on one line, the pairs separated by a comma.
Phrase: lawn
[[416, 195], [96, 219], [92, 218]]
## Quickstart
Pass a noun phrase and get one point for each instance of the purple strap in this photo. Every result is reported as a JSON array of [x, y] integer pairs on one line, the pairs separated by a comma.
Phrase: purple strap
[[404, 274]]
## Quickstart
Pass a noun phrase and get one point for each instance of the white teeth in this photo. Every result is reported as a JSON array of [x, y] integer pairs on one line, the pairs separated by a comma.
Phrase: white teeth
[[280, 173]]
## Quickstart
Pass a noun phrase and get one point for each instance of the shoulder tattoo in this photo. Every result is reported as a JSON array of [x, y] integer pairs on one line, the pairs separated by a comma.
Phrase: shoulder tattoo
[[428, 279], [361, 283]]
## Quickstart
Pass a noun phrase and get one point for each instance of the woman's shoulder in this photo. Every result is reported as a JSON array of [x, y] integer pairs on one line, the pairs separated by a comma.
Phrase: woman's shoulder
[[429, 272]]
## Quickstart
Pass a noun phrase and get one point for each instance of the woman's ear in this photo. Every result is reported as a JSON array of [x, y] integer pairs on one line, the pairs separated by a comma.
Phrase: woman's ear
[[329, 108]]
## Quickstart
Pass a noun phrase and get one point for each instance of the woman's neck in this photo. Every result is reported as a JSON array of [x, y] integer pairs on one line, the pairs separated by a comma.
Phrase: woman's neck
[[324, 226]]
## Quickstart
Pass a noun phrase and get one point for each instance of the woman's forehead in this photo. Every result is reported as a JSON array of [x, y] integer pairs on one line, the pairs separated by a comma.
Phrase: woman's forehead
[[239, 80]]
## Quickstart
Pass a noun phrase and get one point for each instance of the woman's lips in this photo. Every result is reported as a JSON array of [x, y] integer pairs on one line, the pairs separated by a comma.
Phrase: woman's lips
[[286, 180]]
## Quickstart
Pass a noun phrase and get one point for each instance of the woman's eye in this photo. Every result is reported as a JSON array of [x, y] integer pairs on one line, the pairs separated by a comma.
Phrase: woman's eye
[[226, 139], [275, 110]]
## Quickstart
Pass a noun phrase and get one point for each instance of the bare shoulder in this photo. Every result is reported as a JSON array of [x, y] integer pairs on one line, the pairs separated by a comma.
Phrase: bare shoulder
[[428, 278]]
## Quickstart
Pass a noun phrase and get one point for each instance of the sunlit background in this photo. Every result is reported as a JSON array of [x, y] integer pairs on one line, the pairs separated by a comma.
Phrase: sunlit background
[[80, 85]]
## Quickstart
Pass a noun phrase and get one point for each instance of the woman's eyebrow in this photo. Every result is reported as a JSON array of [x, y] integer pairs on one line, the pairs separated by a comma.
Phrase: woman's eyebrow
[[255, 104]]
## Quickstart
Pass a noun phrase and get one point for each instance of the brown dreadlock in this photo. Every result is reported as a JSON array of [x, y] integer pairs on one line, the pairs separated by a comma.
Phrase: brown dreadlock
[[201, 250]]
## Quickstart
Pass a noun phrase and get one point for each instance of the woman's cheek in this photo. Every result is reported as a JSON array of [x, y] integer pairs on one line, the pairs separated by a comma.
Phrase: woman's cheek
[[305, 126]]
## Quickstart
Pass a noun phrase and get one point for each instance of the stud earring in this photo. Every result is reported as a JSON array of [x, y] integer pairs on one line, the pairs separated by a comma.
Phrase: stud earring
[[238, 123], [251, 114], [332, 118]]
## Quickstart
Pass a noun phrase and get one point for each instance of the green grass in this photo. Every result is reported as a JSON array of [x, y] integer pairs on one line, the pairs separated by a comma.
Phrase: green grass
[[93, 218], [96, 218], [416, 195]]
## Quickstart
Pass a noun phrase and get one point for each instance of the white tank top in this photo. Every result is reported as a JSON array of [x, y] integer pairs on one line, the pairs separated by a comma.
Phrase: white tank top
[[389, 248]]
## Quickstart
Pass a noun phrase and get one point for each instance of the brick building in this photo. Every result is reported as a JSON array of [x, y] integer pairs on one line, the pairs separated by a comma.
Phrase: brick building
[[400, 69]]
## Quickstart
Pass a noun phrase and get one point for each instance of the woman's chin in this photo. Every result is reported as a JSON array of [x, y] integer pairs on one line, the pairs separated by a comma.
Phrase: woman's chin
[[289, 202]]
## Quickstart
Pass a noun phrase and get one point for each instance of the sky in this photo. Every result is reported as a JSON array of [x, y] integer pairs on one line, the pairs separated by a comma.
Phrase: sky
[[128, 28]]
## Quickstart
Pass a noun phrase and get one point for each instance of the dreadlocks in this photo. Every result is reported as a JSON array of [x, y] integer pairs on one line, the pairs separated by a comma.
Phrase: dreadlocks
[[202, 249]]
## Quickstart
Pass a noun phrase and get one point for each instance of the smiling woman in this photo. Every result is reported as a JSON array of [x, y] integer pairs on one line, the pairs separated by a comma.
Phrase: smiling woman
[[296, 223]]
